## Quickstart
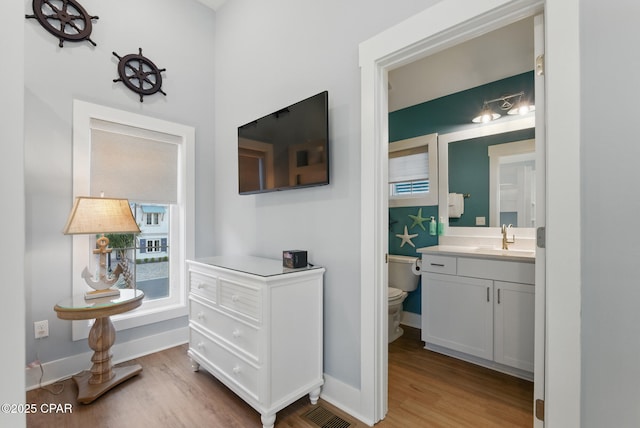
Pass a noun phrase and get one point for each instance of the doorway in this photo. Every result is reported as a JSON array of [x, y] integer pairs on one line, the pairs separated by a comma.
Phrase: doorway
[[441, 26], [502, 55]]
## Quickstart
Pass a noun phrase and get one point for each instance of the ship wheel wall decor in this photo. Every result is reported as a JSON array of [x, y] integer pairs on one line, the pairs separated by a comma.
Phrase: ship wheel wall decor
[[65, 19], [139, 74]]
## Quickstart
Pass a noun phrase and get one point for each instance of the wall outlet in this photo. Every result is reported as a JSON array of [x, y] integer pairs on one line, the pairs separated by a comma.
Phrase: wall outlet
[[480, 221], [41, 329]]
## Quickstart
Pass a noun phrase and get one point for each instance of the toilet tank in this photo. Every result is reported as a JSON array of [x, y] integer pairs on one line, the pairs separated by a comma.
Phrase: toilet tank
[[401, 273]]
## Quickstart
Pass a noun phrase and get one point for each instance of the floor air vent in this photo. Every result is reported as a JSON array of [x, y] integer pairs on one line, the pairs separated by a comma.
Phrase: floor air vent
[[325, 418]]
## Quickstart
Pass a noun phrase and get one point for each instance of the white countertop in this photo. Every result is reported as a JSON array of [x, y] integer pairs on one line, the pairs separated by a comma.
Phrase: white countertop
[[493, 253]]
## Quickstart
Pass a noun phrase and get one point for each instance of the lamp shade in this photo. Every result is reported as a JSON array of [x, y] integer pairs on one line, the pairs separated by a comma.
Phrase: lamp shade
[[486, 115], [100, 215]]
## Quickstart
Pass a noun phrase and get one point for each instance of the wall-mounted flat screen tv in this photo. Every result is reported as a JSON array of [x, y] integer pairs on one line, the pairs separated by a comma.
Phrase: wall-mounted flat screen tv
[[286, 149]]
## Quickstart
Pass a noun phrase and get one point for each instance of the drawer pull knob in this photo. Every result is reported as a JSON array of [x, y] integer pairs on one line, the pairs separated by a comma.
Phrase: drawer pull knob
[[235, 298], [236, 333], [200, 285], [200, 316], [236, 370], [200, 345]]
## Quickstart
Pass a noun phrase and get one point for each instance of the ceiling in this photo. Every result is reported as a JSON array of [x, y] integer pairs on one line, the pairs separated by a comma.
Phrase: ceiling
[[502, 53], [213, 4]]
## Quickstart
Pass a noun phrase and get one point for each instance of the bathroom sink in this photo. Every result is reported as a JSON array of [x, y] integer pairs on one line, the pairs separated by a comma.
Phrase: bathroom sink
[[510, 252]]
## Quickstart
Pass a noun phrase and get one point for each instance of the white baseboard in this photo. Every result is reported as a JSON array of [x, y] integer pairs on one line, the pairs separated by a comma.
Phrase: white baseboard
[[345, 397], [411, 319], [64, 368]]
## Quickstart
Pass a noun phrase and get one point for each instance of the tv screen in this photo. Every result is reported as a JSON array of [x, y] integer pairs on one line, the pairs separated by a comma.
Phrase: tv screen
[[286, 149]]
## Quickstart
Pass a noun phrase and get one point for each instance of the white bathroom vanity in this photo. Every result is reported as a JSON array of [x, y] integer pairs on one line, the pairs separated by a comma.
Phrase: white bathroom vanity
[[478, 304]]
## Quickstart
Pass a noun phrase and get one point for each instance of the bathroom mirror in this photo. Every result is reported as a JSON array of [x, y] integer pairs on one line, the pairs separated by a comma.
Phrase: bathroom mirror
[[497, 189]]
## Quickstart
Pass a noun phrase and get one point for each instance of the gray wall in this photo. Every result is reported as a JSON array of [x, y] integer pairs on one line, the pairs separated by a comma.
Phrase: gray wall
[[177, 36], [267, 56], [12, 308], [610, 60], [223, 70]]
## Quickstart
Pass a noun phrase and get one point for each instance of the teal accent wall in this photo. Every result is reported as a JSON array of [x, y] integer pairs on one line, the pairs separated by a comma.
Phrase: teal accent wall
[[398, 219], [454, 112], [443, 115]]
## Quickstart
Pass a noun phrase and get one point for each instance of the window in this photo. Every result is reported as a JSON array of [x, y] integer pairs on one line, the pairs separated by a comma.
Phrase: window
[[153, 246], [121, 153], [413, 171], [152, 219]]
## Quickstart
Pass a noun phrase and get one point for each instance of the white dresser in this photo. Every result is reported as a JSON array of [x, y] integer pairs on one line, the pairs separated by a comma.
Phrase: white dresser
[[257, 327]]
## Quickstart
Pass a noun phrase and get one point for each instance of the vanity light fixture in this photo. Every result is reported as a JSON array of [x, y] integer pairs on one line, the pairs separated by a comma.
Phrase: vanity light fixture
[[512, 104], [522, 107], [486, 114]]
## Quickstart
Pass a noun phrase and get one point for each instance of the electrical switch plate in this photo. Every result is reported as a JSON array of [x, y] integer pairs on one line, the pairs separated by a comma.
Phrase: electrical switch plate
[[41, 329], [481, 221]]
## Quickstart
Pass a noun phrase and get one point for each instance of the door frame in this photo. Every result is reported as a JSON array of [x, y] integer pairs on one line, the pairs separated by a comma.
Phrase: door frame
[[443, 25]]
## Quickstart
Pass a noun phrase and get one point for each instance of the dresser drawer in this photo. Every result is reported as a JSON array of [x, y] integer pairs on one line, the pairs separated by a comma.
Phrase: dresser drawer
[[439, 264], [236, 333], [203, 285], [232, 367], [240, 298]]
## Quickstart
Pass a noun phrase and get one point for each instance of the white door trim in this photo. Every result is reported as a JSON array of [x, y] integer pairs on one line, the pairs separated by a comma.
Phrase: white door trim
[[445, 24], [541, 221]]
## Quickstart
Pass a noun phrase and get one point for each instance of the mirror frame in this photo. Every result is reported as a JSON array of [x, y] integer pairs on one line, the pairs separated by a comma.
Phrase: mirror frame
[[492, 128]]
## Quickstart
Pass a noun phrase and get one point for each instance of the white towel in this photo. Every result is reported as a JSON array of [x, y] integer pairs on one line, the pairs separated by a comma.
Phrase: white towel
[[456, 205]]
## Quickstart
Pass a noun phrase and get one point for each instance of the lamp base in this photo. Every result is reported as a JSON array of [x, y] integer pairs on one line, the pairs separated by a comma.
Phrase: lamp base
[[96, 294]]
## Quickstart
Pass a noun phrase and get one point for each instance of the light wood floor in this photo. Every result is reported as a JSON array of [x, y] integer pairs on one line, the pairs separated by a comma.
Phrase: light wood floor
[[425, 390]]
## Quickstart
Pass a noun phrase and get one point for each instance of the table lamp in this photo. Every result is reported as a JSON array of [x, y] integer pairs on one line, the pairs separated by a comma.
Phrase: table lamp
[[97, 216]]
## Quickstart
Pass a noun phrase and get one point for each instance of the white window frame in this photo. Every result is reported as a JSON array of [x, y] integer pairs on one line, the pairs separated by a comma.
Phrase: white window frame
[[152, 219], [181, 235], [419, 199], [155, 246]]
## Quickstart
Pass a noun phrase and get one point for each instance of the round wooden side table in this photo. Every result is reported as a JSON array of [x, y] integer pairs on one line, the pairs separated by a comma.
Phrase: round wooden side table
[[102, 376]]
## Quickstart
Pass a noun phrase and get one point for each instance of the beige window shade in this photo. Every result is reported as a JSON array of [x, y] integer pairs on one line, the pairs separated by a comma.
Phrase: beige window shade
[[409, 164], [133, 167]]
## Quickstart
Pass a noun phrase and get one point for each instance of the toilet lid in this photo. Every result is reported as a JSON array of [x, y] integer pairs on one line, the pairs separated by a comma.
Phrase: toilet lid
[[394, 293]]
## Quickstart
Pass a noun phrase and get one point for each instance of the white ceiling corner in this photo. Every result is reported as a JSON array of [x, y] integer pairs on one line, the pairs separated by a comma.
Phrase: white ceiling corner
[[213, 4]]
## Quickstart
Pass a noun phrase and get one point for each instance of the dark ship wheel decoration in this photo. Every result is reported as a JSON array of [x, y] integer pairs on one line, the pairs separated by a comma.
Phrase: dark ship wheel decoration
[[139, 74], [65, 19]]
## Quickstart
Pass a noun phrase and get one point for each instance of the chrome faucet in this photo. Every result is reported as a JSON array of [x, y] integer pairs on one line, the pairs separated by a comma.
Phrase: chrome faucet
[[505, 240]]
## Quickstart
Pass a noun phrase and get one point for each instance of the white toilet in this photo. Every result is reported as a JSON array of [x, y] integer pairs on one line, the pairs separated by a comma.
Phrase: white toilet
[[402, 279]]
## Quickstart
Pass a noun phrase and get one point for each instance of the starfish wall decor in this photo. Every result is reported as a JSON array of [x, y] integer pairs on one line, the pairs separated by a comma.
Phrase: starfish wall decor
[[406, 238], [418, 219]]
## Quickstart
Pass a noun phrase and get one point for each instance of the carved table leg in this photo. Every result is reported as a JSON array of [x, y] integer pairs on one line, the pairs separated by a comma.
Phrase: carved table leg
[[101, 338], [102, 376]]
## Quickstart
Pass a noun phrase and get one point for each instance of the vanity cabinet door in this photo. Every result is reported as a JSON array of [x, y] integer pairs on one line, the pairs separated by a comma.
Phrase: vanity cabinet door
[[458, 313], [514, 324]]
